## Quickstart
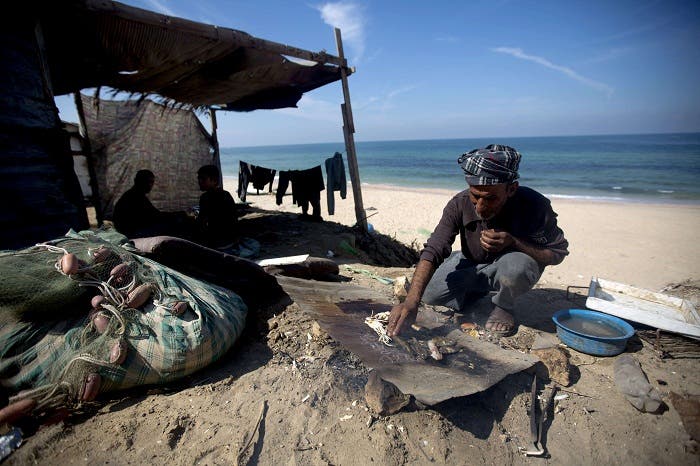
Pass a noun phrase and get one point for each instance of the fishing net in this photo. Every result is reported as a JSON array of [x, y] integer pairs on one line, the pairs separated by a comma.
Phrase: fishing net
[[83, 315]]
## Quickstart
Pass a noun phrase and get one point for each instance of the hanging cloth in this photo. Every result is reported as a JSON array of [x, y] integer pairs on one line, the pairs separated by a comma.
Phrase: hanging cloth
[[282, 185], [244, 177], [261, 176], [306, 189], [335, 180]]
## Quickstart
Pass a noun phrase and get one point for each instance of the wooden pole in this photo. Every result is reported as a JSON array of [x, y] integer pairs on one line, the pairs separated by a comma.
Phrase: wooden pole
[[348, 131], [87, 152], [215, 144]]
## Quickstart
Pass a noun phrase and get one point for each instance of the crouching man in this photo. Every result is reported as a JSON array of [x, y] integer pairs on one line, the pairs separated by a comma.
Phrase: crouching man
[[508, 235]]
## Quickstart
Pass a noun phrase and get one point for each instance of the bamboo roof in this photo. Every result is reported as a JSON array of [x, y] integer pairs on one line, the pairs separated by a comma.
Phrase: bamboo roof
[[93, 43]]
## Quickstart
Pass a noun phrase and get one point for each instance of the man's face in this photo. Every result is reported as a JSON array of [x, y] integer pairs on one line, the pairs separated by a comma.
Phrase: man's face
[[205, 183], [490, 199], [149, 184]]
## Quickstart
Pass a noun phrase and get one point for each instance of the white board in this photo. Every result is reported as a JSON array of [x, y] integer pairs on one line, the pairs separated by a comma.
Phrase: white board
[[646, 307], [283, 260]]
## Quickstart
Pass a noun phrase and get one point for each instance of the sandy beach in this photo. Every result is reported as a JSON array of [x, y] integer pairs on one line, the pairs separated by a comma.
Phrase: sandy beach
[[290, 393], [645, 245]]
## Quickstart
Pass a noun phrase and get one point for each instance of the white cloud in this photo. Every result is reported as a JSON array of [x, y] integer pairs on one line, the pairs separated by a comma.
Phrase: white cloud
[[518, 53], [160, 7], [349, 18]]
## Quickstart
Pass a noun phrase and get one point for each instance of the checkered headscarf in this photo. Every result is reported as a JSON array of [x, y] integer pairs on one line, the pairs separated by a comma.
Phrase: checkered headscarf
[[494, 164]]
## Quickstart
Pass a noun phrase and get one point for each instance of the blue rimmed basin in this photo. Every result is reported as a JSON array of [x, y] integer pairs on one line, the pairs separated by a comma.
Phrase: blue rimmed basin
[[592, 332]]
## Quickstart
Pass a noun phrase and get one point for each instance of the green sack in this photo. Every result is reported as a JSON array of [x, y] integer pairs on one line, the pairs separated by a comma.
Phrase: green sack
[[51, 339]]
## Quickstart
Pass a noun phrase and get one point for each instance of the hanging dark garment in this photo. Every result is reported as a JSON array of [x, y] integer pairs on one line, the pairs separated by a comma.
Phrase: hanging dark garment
[[261, 176], [282, 185], [306, 189], [244, 177], [335, 180]]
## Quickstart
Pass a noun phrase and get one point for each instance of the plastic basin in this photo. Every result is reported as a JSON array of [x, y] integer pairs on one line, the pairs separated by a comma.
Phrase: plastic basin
[[592, 332]]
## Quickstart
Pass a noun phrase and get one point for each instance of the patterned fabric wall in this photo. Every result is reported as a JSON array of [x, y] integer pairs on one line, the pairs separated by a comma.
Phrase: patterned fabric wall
[[127, 137]]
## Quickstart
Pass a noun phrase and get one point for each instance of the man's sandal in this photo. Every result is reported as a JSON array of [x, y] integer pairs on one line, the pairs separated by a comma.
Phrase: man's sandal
[[500, 323]]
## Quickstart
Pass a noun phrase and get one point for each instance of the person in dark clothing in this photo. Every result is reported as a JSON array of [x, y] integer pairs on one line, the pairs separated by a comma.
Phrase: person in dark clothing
[[134, 215], [508, 235], [217, 220]]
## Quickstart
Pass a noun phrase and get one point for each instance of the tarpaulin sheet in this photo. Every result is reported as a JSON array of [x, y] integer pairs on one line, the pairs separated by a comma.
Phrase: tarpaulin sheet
[[340, 310]]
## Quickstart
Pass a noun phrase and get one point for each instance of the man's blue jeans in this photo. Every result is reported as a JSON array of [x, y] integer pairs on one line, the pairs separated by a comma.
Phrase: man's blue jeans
[[458, 281]]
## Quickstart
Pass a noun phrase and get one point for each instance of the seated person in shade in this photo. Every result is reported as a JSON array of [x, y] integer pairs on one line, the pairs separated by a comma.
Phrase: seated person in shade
[[217, 220], [134, 215]]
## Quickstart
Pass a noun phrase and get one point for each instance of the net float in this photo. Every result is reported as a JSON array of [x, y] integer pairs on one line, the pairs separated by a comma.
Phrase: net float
[[101, 254], [16, 410], [91, 387], [97, 301], [120, 273], [69, 264], [178, 308], [139, 295], [101, 322], [117, 354]]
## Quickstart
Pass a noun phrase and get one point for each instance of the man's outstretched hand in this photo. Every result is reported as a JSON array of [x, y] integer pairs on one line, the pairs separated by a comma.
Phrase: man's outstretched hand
[[401, 315]]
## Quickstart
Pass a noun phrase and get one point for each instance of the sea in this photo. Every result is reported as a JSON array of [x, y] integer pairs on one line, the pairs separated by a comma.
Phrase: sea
[[661, 168]]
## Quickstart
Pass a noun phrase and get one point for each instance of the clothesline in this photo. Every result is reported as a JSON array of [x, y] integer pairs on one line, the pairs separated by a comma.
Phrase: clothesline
[[306, 185]]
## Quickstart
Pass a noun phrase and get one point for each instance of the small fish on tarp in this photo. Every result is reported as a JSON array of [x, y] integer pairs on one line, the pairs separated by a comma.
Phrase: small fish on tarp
[[341, 309], [417, 341]]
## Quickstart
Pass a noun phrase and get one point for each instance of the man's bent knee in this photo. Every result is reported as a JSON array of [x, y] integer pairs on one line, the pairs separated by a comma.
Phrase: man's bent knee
[[518, 269]]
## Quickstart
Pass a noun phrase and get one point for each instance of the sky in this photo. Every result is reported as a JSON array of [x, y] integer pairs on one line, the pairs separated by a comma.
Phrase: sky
[[471, 68]]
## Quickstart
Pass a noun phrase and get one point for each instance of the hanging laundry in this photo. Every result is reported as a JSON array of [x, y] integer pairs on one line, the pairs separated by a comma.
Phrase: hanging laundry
[[282, 185], [306, 189], [261, 176], [244, 176], [258, 176], [335, 180]]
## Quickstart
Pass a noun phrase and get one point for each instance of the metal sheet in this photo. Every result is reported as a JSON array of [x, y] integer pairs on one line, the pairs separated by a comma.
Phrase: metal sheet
[[340, 309]]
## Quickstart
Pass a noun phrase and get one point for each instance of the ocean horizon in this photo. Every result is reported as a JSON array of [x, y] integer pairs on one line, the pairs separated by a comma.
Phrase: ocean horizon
[[627, 168]]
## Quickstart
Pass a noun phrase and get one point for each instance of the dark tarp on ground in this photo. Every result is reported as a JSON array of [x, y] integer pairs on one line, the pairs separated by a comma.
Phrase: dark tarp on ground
[[94, 43], [127, 137], [341, 310]]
